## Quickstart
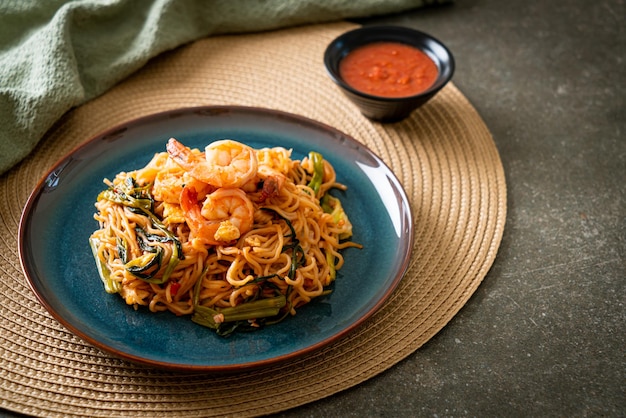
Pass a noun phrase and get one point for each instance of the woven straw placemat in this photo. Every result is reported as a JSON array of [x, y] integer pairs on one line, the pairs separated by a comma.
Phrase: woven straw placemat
[[443, 155]]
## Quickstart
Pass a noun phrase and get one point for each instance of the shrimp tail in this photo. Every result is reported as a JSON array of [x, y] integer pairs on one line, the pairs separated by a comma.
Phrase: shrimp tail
[[180, 154]]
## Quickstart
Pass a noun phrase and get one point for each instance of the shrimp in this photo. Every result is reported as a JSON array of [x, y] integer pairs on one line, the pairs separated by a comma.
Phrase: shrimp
[[226, 163], [168, 185], [200, 227], [232, 209], [225, 215]]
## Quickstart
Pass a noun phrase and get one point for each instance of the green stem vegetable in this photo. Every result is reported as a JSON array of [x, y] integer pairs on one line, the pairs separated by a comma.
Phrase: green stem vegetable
[[262, 308], [318, 171], [110, 285], [333, 206]]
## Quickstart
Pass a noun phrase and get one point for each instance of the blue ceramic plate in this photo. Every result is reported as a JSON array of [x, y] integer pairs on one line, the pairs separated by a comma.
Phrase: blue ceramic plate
[[58, 220]]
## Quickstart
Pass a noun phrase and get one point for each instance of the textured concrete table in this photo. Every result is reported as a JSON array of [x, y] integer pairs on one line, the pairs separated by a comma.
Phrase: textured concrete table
[[544, 333]]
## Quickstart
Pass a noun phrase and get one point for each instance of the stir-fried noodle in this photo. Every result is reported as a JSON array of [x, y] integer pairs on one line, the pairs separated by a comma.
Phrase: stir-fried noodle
[[236, 237]]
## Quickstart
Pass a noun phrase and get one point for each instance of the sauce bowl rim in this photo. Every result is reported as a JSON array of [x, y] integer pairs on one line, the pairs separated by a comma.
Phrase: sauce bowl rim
[[347, 42]]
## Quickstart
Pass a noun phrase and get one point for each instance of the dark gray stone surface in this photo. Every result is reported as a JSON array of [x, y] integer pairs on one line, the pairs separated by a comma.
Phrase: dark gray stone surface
[[544, 334]]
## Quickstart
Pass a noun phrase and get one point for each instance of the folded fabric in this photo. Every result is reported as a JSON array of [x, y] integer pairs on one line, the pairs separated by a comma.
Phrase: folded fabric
[[57, 54]]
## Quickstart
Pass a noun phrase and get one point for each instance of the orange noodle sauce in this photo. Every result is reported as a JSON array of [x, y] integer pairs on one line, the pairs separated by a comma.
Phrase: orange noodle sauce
[[388, 69]]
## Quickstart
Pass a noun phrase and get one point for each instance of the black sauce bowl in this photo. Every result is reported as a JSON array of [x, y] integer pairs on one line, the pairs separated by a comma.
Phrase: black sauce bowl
[[388, 109]]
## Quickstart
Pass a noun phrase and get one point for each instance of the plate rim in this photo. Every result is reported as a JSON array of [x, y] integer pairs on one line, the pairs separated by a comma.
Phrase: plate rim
[[248, 366]]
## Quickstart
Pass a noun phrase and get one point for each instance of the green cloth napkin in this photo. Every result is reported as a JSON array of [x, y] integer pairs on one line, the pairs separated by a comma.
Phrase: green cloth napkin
[[57, 54]]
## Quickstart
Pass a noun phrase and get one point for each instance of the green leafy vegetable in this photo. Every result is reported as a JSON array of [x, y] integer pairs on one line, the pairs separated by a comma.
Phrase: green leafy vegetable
[[138, 199], [146, 266], [122, 249]]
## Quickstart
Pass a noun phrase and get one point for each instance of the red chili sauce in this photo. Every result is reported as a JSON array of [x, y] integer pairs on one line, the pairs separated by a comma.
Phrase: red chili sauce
[[388, 69]]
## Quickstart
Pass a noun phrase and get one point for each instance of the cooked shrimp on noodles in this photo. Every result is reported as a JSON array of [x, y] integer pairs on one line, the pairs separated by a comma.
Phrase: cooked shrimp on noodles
[[231, 206], [226, 163], [238, 238]]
